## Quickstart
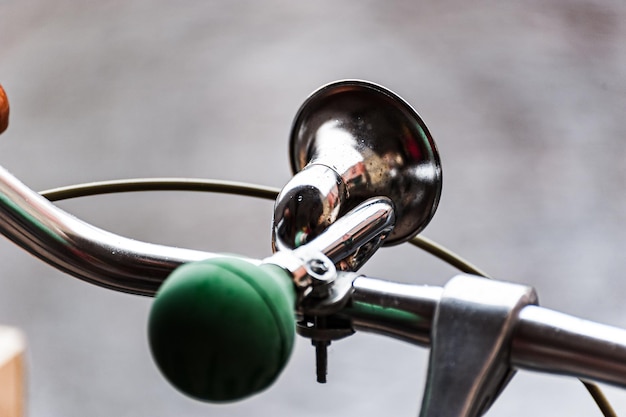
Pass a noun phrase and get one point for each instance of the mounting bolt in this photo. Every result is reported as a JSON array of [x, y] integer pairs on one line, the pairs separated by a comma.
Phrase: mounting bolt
[[318, 267], [321, 359]]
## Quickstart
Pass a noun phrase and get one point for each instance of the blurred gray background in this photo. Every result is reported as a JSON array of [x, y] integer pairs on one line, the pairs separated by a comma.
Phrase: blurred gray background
[[526, 100]]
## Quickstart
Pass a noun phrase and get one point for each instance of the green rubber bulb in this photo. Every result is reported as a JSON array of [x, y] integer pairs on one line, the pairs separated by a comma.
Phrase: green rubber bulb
[[223, 329]]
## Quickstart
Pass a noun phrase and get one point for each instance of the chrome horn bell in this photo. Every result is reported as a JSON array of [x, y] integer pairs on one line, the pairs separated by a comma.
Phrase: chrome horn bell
[[352, 141]]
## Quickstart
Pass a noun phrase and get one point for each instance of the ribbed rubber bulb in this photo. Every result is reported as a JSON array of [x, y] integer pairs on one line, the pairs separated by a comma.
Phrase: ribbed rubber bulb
[[223, 329]]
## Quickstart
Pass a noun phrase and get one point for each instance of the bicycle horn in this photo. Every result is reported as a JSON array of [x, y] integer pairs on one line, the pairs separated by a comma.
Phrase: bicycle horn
[[351, 141]]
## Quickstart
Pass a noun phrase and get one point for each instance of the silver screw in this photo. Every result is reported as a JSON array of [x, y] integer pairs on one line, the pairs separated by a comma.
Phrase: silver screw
[[318, 267]]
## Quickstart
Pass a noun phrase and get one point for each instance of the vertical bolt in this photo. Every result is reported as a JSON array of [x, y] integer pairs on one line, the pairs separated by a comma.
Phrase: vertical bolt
[[321, 359], [321, 351]]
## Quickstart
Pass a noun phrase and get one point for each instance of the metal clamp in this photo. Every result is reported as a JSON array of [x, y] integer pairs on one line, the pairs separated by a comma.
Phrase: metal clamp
[[322, 291], [471, 338]]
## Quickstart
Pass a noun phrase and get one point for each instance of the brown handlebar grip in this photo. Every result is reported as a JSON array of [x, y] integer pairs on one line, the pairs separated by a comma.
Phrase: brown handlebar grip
[[4, 110]]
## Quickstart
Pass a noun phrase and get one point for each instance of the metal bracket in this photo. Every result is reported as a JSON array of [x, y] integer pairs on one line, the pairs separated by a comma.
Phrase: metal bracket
[[469, 360], [322, 292]]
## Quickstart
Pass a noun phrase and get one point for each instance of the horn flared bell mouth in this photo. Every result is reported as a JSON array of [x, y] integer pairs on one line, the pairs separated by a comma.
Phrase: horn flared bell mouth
[[352, 140]]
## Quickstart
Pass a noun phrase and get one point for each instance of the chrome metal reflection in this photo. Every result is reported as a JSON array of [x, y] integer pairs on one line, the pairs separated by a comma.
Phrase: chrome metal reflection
[[354, 238], [350, 141], [469, 359], [306, 207], [401, 311], [82, 250], [549, 341], [478, 328], [132, 266], [349, 242]]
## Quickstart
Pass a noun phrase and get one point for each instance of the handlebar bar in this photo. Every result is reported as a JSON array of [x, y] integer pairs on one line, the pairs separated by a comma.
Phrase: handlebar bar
[[82, 250], [542, 339]]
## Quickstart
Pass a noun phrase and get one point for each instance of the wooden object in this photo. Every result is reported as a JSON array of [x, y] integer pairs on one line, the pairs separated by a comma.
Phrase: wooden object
[[4, 110], [12, 347]]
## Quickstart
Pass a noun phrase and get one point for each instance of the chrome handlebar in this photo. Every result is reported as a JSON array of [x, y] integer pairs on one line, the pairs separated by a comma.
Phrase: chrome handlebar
[[82, 250], [541, 339]]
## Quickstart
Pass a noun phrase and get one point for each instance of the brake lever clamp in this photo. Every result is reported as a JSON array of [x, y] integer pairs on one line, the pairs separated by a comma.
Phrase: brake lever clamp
[[322, 292], [470, 345]]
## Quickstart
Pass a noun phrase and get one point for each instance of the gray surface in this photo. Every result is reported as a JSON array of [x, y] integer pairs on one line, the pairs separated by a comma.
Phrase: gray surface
[[527, 103]]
